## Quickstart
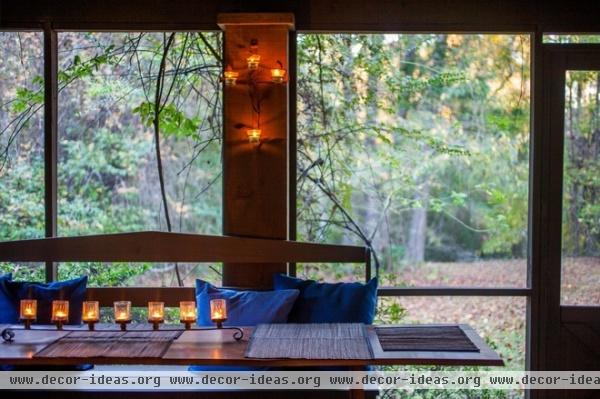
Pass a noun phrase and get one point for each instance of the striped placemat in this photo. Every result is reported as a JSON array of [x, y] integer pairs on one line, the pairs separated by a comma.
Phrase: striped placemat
[[135, 344], [309, 341], [425, 338]]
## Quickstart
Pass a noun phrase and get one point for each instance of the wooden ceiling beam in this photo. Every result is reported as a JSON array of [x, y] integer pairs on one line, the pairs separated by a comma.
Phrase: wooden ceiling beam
[[311, 15], [256, 19], [150, 246]]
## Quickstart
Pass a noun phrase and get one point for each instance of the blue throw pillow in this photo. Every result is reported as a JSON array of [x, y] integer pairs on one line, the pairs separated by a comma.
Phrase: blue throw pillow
[[6, 304], [11, 292], [330, 303], [245, 308]]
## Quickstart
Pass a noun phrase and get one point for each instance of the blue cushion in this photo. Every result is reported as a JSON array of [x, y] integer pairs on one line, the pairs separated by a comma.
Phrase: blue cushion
[[11, 292], [245, 308], [330, 303], [6, 304]]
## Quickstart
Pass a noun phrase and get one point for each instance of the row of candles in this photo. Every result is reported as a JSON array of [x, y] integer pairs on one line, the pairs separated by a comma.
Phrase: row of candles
[[122, 313]]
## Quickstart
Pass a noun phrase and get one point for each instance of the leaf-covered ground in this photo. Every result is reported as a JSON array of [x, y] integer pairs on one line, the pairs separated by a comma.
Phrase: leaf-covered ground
[[500, 320]]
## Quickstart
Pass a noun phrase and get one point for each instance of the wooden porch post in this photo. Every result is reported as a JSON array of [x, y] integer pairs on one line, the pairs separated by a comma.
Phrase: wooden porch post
[[255, 175]]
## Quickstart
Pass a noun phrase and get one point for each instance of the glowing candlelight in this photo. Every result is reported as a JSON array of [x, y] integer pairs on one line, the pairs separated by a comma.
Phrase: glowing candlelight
[[218, 311], [60, 313], [156, 313], [28, 311], [90, 313], [253, 61], [277, 75], [253, 135], [230, 76], [187, 313], [122, 311]]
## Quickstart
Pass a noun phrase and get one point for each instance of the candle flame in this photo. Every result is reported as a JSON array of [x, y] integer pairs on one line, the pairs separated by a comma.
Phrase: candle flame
[[217, 314], [156, 316], [230, 77], [253, 61], [277, 75]]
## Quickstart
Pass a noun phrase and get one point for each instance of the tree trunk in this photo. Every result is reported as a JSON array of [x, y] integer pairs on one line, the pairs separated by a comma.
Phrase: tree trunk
[[417, 235]]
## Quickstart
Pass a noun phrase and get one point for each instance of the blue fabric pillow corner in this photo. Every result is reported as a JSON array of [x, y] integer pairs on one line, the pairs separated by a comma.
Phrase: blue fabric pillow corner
[[11, 292], [330, 303], [8, 313], [245, 308]]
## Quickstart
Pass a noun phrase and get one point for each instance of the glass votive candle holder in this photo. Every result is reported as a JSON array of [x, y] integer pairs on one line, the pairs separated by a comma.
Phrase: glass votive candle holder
[[90, 313], [187, 313], [60, 313], [253, 135], [253, 61], [218, 311], [277, 75], [122, 311], [28, 312], [230, 77], [156, 313]]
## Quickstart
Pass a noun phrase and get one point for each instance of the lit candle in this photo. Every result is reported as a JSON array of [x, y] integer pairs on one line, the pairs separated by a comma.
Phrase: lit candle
[[218, 311], [230, 76], [28, 311], [277, 75], [187, 313], [156, 313], [60, 313], [122, 313], [253, 61], [91, 313], [253, 135]]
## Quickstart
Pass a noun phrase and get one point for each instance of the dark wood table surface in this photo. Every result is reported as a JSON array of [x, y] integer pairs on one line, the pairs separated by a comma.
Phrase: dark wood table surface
[[218, 347]]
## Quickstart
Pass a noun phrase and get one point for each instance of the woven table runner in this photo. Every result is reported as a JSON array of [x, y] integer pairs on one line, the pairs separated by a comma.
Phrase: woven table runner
[[111, 344], [426, 338], [309, 341]]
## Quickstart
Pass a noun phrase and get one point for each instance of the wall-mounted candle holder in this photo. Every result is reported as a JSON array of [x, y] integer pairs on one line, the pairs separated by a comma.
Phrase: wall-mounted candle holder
[[187, 313], [230, 76], [278, 74], [122, 311], [156, 314], [28, 312], [90, 313], [253, 135], [255, 82], [60, 313], [253, 61]]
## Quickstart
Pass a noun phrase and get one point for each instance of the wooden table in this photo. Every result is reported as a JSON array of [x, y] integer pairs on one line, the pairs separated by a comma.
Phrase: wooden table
[[218, 347]]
